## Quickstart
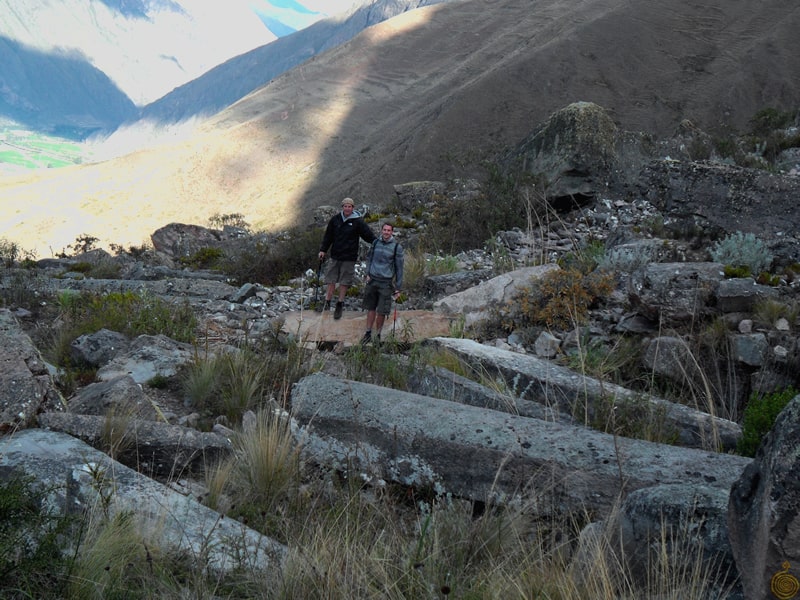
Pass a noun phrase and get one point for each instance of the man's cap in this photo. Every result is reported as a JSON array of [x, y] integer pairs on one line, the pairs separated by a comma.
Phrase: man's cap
[[348, 201]]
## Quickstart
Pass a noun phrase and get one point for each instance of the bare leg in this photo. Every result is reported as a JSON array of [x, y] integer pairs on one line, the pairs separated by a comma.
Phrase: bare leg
[[379, 323], [329, 292], [370, 319], [342, 292]]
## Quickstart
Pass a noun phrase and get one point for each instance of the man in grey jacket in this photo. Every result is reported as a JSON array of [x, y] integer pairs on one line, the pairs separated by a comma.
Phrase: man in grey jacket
[[384, 280]]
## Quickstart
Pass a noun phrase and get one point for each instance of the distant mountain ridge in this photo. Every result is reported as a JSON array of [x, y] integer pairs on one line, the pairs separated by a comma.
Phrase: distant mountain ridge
[[77, 66]]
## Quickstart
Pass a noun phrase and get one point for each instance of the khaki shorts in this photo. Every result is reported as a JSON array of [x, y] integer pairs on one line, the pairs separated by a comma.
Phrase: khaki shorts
[[340, 271]]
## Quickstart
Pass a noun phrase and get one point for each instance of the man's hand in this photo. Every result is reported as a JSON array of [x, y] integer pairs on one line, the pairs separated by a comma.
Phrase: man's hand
[[322, 255]]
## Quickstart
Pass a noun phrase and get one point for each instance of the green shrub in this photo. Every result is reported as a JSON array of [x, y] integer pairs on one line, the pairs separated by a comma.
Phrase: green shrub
[[262, 471], [80, 267], [766, 278], [83, 243], [230, 383], [274, 262], [228, 220], [725, 147], [129, 313], [456, 224], [9, 252], [759, 417], [585, 259], [24, 288], [204, 258], [766, 120], [418, 266], [742, 250], [737, 272], [33, 563]]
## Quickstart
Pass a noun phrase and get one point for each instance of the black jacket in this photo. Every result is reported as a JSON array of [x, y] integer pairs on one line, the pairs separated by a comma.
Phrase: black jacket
[[342, 235]]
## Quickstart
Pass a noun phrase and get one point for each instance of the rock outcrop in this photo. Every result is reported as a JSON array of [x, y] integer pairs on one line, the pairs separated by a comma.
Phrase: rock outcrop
[[543, 381], [80, 478], [485, 455], [764, 520], [26, 387]]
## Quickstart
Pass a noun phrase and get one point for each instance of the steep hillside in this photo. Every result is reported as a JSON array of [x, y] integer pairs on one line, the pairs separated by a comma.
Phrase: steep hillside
[[427, 95], [235, 78]]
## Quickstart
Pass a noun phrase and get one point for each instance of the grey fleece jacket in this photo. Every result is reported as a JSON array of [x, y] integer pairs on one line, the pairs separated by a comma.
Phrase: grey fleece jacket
[[384, 264]]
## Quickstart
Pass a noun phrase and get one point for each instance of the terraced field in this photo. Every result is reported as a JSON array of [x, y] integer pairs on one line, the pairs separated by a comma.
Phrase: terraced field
[[22, 150]]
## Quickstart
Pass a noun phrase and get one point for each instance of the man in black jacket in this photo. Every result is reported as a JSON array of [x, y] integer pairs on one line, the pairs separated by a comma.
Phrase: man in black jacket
[[341, 238]]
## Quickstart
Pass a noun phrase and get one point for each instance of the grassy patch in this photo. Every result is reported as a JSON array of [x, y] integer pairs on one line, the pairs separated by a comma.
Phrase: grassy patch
[[129, 313]]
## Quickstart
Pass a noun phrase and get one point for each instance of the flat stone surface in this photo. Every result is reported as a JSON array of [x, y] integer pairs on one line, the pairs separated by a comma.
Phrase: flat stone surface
[[410, 326]]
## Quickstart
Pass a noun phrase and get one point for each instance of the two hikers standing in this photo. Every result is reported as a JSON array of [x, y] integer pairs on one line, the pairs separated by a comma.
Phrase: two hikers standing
[[384, 266]]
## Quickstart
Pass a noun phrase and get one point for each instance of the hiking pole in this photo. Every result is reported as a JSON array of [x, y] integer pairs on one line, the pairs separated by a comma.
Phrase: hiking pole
[[319, 275]]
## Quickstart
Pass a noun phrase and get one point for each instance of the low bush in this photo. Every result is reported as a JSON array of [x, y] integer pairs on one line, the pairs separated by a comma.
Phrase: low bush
[[759, 417], [260, 474], [456, 224], [273, 261], [204, 258], [233, 382], [561, 299], [742, 250]]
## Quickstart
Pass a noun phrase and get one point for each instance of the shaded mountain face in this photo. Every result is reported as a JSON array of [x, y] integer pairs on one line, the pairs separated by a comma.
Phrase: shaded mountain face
[[39, 89], [431, 94]]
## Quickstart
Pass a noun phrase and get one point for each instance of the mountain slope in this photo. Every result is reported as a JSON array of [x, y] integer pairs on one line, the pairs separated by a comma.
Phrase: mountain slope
[[228, 82], [427, 95]]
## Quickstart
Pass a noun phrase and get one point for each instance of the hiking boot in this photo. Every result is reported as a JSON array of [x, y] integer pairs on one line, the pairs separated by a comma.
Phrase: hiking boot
[[323, 306], [378, 340], [337, 313], [367, 338]]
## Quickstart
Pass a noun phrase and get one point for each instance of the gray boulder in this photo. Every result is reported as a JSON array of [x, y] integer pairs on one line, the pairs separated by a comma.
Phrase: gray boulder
[[178, 240], [687, 522], [98, 348], [80, 478], [476, 302], [417, 193], [156, 449], [574, 151], [671, 357], [485, 455], [26, 387], [550, 384], [722, 199], [120, 396], [750, 348], [741, 294], [675, 293], [148, 356], [438, 382], [764, 514]]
